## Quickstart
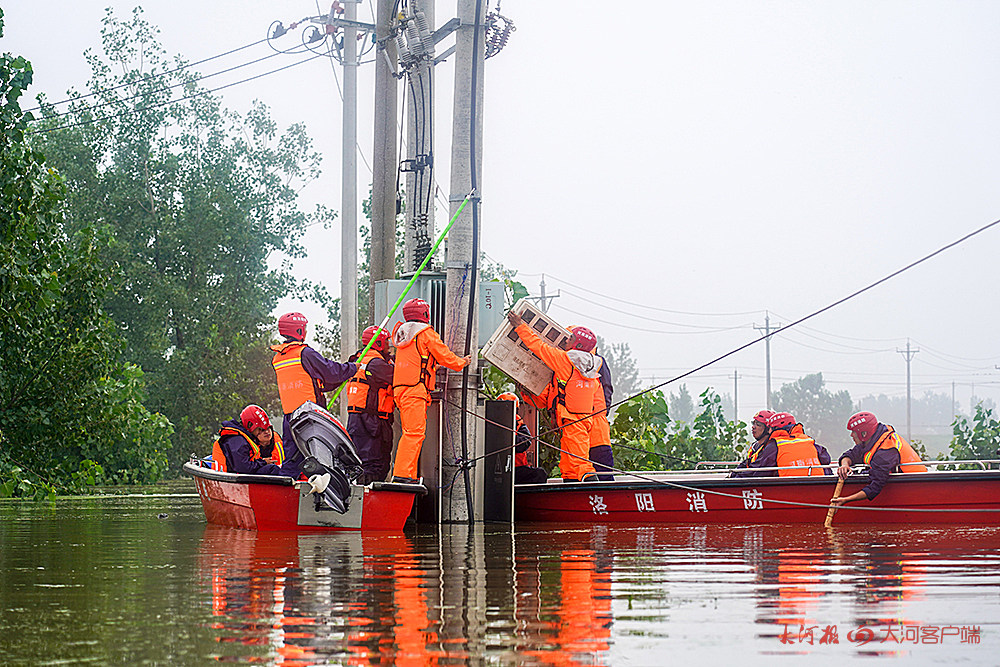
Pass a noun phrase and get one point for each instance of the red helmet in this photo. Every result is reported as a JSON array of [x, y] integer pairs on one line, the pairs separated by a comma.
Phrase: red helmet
[[762, 416], [507, 396], [780, 420], [381, 341], [417, 310], [583, 339], [863, 424], [253, 416], [293, 325]]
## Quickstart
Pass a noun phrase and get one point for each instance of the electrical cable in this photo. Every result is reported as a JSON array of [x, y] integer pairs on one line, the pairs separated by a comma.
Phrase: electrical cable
[[169, 102], [159, 90], [151, 76]]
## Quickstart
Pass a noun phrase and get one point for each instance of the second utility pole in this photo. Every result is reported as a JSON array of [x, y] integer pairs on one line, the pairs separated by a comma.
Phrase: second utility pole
[[908, 355], [767, 355]]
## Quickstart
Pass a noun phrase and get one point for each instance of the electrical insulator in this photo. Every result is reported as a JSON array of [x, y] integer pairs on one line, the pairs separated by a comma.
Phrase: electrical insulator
[[404, 53], [425, 33], [413, 39]]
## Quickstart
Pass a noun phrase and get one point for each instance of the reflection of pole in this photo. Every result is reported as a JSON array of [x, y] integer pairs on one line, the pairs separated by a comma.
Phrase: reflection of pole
[[349, 195], [767, 354], [908, 355]]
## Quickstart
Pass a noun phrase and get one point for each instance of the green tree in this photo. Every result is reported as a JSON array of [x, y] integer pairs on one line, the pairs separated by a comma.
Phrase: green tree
[[977, 438], [70, 408], [822, 413], [200, 202], [621, 363], [682, 405]]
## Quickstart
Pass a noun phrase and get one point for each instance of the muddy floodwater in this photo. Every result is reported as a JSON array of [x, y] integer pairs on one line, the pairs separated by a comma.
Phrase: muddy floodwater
[[142, 580]]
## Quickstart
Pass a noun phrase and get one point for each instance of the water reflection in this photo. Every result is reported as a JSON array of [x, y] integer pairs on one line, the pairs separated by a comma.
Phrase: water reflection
[[581, 595], [108, 581]]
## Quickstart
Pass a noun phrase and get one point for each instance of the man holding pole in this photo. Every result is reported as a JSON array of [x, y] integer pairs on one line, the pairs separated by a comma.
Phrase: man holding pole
[[418, 351]]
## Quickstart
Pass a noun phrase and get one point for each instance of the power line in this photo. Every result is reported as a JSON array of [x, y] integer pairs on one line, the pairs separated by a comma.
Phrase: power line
[[168, 102], [149, 93], [150, 76], [652, 319], [656, 331]]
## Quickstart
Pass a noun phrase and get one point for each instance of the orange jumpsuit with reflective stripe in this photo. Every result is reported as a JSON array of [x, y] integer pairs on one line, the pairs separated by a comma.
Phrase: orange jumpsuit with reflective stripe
[[795, 448], [418, 351], [574, 404]]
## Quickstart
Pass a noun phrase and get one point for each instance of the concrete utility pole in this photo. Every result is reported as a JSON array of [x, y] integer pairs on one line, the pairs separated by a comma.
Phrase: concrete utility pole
[[384, 159], [736, 395], [908, 355], [767, 354], [349, 195], [460, 242], [545, 301]]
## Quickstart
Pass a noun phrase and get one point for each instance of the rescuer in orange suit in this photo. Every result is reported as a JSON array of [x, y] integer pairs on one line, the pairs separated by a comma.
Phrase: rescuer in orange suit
[[787, 445], [601, 453], [878, 446], [761, 436], [249, 445], [418, 351], [524, 472], [369, 406], [576, 372], [303, 374]]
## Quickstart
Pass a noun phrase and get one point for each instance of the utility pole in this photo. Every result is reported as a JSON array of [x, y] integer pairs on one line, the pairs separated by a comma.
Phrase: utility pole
[[384, 158], [349, 196], [767, 354], [545, 301], [467, 131], [736, 394], [908, 355]]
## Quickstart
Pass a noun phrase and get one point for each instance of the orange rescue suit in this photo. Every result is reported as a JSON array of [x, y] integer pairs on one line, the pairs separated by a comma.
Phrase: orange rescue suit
[[359, 392], [574, 401], [418, 351], [277, 456], [907, 457], [295, 385], [795, 448]]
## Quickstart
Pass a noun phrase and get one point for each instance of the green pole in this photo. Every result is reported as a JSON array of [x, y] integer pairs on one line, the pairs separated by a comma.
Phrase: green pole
[[385, 321]]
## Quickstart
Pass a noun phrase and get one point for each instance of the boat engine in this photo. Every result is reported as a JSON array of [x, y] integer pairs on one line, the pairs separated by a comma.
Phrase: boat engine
[[330, 459]]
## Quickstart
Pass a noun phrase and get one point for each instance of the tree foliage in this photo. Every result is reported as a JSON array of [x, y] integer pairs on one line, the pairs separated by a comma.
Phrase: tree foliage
[[977, 438], [200, 201], [645, 438], [822, 413], [70, 408]]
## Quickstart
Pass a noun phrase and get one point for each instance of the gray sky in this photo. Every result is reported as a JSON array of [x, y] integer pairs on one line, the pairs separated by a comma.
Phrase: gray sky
[[676, 169]]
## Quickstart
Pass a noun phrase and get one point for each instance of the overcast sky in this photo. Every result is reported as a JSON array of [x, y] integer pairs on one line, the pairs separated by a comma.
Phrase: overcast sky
[[677, 169]]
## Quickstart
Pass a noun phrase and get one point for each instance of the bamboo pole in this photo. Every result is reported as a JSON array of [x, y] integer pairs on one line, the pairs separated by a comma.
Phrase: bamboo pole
[[833, 510]]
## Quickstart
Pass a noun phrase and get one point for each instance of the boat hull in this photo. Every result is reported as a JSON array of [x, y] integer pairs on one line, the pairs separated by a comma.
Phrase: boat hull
[[954, 497], [269, 503]]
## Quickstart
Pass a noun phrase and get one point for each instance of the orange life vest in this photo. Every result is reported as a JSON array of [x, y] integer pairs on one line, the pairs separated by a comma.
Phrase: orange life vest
[[277, 456], [795, 448], [295, 385], [359, 395], [576, 394], [907, 457], [415, 365]]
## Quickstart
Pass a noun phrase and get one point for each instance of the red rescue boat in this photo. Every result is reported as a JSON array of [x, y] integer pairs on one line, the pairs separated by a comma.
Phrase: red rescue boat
[[954, 497], [268, 502]]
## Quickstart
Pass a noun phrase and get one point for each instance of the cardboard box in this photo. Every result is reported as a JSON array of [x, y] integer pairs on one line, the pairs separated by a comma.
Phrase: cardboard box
[[506, 351]]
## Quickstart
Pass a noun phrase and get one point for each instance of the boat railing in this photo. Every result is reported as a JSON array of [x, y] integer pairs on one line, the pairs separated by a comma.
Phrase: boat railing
[[724, 468], [983, 464]]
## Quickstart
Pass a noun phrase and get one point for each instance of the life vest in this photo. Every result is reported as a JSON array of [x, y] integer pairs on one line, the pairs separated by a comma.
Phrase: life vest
[[415, 365], [907, 457], [295, 385], [520, 458], [575, 394], [795, 448], [277, 456], [360, 398]]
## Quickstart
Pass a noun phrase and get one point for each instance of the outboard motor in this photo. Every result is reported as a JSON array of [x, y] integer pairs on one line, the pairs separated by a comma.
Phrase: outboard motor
[[330, 459]]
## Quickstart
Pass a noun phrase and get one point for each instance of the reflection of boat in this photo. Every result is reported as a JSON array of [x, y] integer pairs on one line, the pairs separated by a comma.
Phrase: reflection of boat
[[958, 497], [266, 502]]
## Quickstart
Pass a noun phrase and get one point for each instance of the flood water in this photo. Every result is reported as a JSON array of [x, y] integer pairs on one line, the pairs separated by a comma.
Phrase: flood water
[[143, 580]]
